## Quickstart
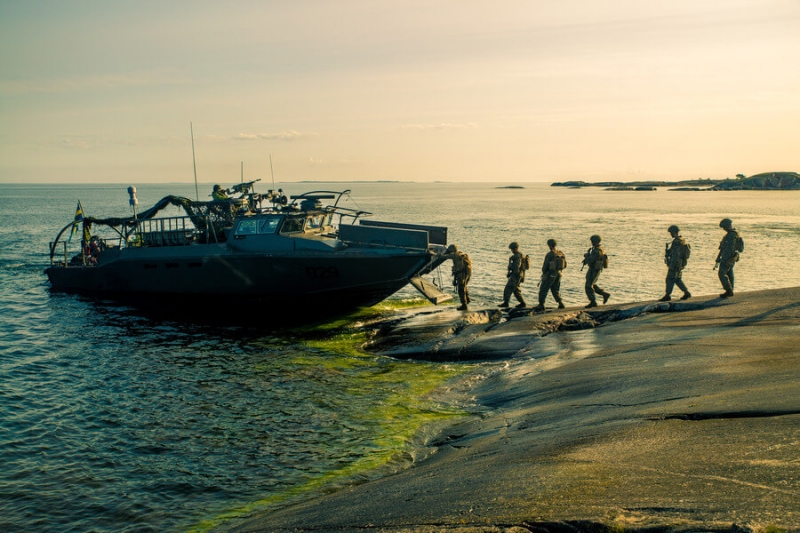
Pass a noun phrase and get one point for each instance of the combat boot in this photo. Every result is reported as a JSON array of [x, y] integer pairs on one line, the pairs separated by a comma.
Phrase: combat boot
[[462, 308], [504, 304], [561, 304], [665, 298], [591, 304], [686, 295], [521, 305], [538, 308], [606, 296], [726, 294]]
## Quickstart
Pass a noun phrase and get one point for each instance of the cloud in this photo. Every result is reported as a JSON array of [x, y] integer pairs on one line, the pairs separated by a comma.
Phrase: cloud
[[440, 126], [289, 135], [87, 83], [78, 144], [339, 162]]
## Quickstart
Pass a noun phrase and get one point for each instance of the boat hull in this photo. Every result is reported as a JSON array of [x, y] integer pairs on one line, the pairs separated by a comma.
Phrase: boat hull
[[339, 281]]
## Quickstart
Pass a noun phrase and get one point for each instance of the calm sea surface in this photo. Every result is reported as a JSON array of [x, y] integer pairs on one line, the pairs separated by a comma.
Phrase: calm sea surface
[[114, 420]]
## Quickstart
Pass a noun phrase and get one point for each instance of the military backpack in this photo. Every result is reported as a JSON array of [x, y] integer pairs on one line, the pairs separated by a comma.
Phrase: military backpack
[[685, 252], [559, 263], [739, 246]]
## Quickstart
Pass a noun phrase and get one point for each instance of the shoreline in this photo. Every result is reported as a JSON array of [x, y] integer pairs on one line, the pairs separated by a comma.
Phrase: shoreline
[[674, 416]]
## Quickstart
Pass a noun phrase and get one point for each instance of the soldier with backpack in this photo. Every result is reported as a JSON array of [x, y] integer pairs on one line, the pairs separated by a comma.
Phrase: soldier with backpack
[[462, 271], [517, 265], [732, 243], [554, 263], [597, 260], [676, 255]]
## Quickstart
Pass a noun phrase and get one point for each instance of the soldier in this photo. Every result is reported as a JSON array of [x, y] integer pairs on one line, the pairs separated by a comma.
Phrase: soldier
[[675, 256], [554, 263], [462, 271], [516, 275], [218, 193], [728, 255], [595, 258]]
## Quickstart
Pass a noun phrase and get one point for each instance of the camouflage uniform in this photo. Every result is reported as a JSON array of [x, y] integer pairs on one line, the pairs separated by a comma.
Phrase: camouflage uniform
[[551, 279], [675, 265], [727, 258], [462, 271], [594, 260], [516, 275]]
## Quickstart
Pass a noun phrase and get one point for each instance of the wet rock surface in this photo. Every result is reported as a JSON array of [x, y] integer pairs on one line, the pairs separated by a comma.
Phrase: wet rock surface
[[642, 417], [444, 334]]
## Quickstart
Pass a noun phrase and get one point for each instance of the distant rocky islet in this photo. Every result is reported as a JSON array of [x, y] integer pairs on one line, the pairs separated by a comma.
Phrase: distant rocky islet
[[767, 181]]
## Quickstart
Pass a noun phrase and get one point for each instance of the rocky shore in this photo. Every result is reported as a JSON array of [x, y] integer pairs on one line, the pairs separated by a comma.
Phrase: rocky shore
[[678, 416]]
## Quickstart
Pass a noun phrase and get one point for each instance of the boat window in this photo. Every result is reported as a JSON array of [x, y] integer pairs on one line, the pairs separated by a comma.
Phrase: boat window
[[315, 222], [269, 225], [292, 225], [246, 227]]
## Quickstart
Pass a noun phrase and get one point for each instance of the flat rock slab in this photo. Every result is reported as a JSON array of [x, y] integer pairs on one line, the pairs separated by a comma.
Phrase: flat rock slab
[[648, 420], [444, 334]]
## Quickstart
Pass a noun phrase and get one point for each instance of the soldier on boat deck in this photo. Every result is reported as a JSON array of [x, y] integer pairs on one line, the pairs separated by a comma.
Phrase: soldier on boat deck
[[675, 256], [462, 271], [515, 275], [554, 263], [218, 193]]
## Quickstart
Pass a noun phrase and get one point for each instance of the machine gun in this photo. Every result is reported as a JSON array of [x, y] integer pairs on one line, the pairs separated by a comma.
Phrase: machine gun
[[243, 188], [277, 198]]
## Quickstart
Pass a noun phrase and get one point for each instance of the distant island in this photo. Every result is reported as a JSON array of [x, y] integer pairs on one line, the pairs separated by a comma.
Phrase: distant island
[[767, 181], [510, 187]]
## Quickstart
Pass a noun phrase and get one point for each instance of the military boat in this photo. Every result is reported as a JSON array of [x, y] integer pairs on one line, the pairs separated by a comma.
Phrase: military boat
[[277, 252]]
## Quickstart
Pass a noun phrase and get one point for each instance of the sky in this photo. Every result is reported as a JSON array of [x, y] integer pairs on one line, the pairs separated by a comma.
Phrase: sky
[[437, 90]]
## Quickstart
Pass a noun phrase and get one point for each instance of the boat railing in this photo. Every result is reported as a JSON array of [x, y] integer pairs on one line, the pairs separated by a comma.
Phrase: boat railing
[[54, 253], [87, 253], [168, 231]]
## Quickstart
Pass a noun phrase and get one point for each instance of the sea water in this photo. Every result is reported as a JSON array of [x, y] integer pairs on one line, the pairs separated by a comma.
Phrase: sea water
[[116, 420]]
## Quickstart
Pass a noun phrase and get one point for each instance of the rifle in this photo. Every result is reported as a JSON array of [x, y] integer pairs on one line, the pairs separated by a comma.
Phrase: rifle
[[585, 257], [666, 254]]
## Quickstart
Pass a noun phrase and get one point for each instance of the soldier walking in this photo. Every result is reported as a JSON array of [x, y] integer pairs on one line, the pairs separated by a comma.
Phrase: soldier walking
[[595, 258], [462, 271], [675, 256], [516, 275], [729, 249], [554, 263]]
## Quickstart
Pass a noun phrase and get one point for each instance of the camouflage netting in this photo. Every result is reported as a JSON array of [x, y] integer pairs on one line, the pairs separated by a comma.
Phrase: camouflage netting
[[219, 214]]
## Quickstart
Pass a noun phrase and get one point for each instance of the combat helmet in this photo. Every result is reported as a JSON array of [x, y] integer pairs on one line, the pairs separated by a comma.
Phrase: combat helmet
[[217, 187], [726, 223], [513, 245], [595, 239], [451, 249], [673, 229], [551, 243]]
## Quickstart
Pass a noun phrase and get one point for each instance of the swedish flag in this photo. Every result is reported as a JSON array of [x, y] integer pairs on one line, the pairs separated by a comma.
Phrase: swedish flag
[[78, 220]]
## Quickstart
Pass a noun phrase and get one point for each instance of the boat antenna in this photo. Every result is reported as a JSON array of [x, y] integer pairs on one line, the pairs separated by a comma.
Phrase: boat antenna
[[241, 172], [271, 172], [194, 164]]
